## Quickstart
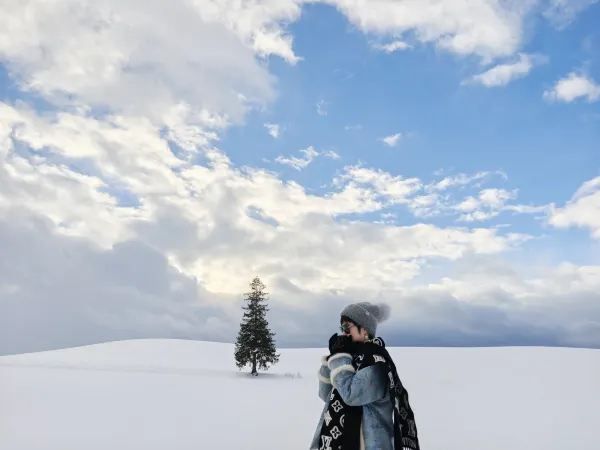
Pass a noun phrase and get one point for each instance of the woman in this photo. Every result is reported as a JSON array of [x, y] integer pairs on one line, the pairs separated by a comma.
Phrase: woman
[[366, 406]]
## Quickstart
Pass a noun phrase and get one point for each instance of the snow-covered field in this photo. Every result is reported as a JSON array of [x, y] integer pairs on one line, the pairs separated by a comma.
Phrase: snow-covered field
[[179, 395]]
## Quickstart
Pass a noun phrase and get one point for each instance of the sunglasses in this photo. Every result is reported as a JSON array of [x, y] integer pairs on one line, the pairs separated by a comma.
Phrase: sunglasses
[[345, 327]]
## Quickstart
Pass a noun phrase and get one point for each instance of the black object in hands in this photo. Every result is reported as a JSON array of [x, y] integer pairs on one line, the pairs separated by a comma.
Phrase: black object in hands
[[332, 342], [340, 344]]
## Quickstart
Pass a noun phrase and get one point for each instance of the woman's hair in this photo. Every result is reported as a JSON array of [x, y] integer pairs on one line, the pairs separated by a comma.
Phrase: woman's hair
[[347, 319]]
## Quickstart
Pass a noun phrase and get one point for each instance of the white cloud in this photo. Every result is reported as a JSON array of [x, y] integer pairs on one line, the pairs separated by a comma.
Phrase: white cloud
[[321, 107], [427, 205], [583, 210], [562, 12], [330, 154], [489, 203], [384, 186], [528, 209], [310, 153], [112, 54], [460, 179], [392, 140], [68, 292], [469, 204], [503, 304], [106, 296], [210, 221], [496, 198], [487, 28], [78, 202], [439, 198], [392, 46], [190, 227], [503, 74], [573, 87], [273, 129], [258, 23]]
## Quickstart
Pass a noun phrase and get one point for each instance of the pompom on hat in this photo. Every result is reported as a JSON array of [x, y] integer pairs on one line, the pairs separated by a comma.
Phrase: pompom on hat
[[366, 314]]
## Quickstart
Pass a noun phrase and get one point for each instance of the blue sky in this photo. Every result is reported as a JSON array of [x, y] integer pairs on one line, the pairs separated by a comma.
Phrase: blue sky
[[454, 127], [441, 157]]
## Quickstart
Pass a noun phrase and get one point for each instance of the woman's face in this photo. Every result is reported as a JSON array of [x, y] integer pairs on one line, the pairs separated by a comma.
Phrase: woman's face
[[357, 334]]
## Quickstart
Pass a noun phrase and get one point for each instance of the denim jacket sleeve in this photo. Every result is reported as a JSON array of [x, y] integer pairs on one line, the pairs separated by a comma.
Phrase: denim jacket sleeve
[[357, 388], [324, 380]]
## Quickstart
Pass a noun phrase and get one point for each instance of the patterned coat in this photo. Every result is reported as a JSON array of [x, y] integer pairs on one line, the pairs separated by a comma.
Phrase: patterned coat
[[367, 387]]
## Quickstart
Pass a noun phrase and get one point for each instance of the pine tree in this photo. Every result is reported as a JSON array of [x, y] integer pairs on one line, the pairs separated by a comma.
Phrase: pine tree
[[255, 343]]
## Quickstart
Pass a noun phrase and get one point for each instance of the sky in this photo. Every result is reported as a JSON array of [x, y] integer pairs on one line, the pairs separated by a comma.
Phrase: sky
[[442, 157]]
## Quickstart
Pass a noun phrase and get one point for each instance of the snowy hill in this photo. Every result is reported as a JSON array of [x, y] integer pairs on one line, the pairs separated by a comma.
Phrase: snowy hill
[[183, 395]]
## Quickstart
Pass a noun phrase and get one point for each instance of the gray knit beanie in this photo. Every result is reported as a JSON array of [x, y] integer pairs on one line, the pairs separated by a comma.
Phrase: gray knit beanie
[[367, 315]]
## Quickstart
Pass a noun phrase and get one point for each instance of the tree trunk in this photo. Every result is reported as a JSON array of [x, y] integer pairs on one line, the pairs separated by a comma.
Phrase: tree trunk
[[254, 372]]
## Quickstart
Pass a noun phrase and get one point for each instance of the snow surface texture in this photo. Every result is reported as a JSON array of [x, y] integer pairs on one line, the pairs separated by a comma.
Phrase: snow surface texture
[[174, 394]]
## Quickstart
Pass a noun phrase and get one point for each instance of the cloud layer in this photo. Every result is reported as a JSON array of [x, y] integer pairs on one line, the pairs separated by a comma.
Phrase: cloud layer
[[486, 28]]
